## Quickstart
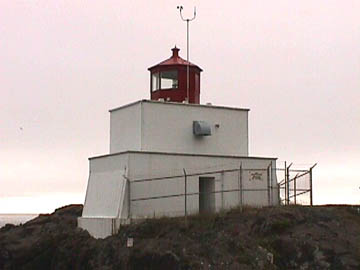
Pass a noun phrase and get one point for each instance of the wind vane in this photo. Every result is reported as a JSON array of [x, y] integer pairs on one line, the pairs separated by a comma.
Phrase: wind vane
[[180, 8]]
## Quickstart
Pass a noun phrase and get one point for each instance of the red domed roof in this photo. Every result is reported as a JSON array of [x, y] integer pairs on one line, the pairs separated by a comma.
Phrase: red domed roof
[[175, 59]]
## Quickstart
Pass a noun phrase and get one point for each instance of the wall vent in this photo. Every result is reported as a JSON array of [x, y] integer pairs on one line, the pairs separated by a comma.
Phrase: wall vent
[[201, 128]]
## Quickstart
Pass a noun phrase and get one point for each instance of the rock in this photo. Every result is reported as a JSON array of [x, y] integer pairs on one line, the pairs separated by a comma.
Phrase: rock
[[267, 238], [320, 259], [154, 260]]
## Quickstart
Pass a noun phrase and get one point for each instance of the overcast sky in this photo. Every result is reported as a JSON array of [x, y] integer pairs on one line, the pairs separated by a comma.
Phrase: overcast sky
[[64, 64]]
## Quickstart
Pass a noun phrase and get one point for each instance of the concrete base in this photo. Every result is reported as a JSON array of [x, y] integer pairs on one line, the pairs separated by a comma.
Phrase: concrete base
[[101, 227]]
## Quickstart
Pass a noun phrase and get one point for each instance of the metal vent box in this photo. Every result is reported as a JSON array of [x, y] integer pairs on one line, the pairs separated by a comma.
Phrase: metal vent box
[[201, 128]]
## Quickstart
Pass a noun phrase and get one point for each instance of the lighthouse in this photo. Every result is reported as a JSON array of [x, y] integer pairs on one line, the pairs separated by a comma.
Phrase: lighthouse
[[172, 156], [169, 81]]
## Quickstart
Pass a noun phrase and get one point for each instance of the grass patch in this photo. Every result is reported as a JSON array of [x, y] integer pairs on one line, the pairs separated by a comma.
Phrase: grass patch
[[280, 226]]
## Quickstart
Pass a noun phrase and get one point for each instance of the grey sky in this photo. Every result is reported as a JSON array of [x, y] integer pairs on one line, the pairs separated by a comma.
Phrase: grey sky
[[63, 64]]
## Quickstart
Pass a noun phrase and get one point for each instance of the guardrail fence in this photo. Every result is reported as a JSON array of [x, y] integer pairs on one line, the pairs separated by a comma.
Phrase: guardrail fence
[[296, 187]]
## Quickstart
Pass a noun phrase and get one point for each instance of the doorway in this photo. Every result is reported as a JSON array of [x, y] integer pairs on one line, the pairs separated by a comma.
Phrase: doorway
[[206, 195]]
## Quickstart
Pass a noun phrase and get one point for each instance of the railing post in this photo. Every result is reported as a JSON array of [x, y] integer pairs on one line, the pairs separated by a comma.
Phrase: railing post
[[285, 184], [240, 187], [311, 190], [222, 190], [311, 184], [129, 200], [295, 189], [288, 183], [185, 191], [269, 184], [310, 180]]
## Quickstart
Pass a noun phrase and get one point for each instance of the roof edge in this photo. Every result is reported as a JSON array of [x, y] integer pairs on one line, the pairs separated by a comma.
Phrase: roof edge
[[126, 105], [175, 65], [178, 154], [179, 104]]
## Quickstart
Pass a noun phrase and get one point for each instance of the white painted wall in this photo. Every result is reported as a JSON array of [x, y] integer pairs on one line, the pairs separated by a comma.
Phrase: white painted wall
[[106, 203], [155, 139], [167, 127], [106, 187], [104, 192], [99, 227], [149, 165], [125, 128]]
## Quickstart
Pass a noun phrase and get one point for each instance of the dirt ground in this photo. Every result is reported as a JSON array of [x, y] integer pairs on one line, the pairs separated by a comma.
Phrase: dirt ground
[[324, 237]]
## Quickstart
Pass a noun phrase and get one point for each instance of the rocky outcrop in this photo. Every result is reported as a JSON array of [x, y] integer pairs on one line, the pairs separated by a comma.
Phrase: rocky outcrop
[[266, 238]]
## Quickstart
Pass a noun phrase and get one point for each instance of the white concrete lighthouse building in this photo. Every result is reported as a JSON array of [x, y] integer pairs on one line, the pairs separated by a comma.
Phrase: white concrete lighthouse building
[[172, 156]]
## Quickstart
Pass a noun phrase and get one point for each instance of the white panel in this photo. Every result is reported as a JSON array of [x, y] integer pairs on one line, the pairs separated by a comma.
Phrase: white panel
[[147, 165], [125, 128], [104, 194], [109, 163], [255, 179], [167, 127], [107, 200], [99, 227]]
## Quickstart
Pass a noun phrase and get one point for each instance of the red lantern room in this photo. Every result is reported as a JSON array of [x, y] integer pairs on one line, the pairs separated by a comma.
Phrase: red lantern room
[[168, 80]]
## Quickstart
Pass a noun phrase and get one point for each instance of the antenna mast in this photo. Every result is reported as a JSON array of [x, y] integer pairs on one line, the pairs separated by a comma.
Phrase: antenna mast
[[180, 8]]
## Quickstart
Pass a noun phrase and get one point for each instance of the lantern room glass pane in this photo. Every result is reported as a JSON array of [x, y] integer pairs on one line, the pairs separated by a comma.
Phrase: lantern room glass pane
[[169, 79], [155, 81]]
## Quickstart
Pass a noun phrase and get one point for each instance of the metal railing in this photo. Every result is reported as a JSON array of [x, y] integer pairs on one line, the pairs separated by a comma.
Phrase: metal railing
[[237, 177], [296, 188]]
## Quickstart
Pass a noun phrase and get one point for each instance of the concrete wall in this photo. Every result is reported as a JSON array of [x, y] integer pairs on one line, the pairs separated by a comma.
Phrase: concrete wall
[[151, 165], [167, 127], [107, 202], [156, 140], [125, 128], [100, 227], [106, 187]]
